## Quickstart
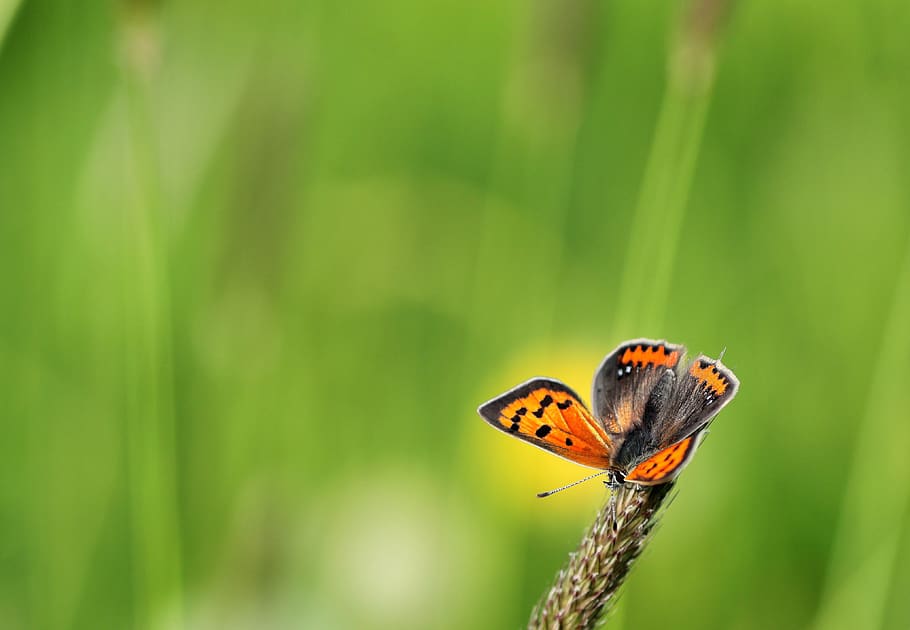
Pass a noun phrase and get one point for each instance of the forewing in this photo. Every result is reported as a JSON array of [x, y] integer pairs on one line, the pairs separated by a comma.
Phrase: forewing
[[703, 390], [623, 383], [665, 465], [548, 414]]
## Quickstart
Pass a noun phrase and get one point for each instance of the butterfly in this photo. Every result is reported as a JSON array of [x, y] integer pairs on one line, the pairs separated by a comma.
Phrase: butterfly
[[649, 413]]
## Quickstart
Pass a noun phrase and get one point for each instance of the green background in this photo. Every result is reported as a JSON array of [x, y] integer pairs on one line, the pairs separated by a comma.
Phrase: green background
[[260, 262]]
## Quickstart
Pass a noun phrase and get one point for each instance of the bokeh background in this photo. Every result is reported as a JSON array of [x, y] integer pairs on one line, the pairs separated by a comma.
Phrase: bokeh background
[[260, 262]]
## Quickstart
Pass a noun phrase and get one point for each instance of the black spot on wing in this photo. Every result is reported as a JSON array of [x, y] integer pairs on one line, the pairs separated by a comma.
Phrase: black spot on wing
[[492, 410]]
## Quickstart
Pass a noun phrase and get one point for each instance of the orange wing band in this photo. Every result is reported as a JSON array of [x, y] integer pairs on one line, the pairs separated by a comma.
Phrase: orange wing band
[[643, 355], [558, 422], [665, 465], [709, 376]]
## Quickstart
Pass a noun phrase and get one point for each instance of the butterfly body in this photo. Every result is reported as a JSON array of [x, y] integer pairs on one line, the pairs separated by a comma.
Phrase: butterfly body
[[649, 412]]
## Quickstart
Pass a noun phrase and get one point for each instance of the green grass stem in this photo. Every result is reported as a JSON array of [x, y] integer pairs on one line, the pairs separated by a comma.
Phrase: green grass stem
[[150, 415], [658, 217], [8, 10]]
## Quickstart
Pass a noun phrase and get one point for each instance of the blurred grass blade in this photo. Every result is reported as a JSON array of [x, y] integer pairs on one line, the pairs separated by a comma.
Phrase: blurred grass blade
[[658, 216], [541, 115], [150, 415], [8, 10], [874, 508]]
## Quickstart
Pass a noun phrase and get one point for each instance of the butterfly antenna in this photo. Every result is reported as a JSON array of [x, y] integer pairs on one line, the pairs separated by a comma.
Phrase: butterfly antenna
[[574, 483], [722, 353]]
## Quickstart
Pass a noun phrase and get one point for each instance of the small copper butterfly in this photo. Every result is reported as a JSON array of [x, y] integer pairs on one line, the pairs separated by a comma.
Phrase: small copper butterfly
[[649, 414]]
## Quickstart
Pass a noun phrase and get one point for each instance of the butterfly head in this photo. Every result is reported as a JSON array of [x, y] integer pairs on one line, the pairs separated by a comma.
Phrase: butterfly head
[[615, 478]]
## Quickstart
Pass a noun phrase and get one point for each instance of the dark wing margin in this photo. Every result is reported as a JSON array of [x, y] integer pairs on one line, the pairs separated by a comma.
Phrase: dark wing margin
[[549, 415], [625, 379]]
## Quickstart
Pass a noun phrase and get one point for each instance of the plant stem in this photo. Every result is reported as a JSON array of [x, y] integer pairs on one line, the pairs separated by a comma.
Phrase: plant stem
[[8, 10], [586, 587], [148, 372]]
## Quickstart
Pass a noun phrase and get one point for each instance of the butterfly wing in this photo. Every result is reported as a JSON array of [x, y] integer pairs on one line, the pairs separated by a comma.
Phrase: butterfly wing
[[702, 391], [665, 465], [625, 379], [549, 415]]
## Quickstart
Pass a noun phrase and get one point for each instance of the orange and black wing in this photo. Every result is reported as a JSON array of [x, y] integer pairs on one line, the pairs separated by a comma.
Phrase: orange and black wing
[[626, 378], [666, 464], [700, 392], [548, 414]]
